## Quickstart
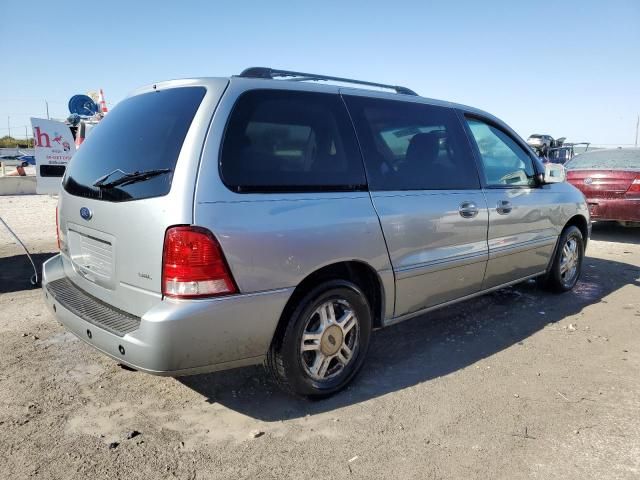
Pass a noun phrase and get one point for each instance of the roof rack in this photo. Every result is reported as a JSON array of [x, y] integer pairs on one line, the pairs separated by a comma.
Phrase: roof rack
[[271, 73]]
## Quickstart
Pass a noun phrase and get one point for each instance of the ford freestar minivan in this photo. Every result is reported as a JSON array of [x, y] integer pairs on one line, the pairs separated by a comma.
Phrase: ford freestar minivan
[[212, 223]]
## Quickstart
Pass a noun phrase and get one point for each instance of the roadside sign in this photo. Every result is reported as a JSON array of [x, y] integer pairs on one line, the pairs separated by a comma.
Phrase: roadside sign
[[54, 147]]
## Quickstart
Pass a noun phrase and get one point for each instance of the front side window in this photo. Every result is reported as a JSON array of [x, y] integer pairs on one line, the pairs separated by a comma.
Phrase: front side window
[[285, 141], [412, 146], [505, 163]]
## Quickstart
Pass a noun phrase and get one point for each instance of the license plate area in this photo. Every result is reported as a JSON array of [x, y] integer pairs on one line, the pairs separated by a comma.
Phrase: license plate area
[[92, 255]]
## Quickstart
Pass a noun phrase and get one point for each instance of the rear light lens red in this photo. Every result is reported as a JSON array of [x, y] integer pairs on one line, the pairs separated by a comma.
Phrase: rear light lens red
[[193, 265], [634, 188]]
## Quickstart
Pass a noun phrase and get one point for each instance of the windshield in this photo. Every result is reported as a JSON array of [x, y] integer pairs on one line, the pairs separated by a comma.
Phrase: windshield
[[142, 133], [620, 159]]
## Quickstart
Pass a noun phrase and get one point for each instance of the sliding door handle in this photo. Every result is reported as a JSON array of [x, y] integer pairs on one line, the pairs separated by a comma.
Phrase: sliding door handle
[[504, 207]]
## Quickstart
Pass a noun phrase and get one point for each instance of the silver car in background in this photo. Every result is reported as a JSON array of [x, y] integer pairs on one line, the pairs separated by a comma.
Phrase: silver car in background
[[541, 142], [213, 223]]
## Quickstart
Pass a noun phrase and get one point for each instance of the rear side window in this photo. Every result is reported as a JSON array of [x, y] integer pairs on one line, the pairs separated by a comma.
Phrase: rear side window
[[142, 133], [284, 141], [504, 161], [412, 146]]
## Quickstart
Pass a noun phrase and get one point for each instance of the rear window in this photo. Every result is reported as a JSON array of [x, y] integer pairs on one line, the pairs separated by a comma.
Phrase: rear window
[[284, 141], [606, 159], [142, 133]]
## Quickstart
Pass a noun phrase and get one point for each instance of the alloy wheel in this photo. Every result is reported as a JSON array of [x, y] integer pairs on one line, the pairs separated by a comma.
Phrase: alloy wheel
[[569, 261], [329, 340]]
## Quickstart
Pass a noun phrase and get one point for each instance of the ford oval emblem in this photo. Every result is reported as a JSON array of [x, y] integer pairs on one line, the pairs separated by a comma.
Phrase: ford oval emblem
[[588, 181], [86, 213]]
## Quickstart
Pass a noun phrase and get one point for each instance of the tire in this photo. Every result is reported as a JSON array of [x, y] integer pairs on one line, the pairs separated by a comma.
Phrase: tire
[[325, 366], [562, 278]]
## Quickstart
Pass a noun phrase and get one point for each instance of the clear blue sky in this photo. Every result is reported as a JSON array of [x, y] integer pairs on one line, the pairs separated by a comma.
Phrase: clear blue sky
[[571, 70]]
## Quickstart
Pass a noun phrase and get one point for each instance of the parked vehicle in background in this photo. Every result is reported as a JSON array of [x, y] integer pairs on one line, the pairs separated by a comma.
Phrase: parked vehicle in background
[[251, 218], [541, 142], [610, 181], [82, 130], [562, 154]]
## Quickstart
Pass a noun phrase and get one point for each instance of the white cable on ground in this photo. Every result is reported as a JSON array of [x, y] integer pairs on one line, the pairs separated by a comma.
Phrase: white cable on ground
[[34, 277]]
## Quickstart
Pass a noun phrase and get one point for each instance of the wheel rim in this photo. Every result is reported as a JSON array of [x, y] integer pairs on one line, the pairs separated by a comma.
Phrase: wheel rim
[[329, 340], [569, 261]]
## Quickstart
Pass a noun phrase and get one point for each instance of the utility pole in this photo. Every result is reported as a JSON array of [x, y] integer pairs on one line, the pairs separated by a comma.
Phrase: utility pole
[[26, 135], [47, 104], [637, 125], [9, 125]]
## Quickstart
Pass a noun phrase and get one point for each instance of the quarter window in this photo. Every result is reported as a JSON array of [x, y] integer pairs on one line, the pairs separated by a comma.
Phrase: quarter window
[[284, 141], [412, 146], [505, 163]]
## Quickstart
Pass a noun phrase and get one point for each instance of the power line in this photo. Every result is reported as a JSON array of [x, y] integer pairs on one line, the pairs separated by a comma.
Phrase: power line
[[14, 126]]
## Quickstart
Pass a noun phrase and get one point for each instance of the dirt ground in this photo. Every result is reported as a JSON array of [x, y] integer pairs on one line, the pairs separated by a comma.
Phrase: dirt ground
[[515, 384]]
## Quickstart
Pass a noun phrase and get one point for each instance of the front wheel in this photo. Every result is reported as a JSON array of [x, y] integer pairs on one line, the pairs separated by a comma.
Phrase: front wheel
[[324, 343], [567, 263]]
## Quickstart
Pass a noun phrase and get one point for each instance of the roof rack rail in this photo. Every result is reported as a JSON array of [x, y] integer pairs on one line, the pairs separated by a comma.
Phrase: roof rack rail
[[271, 73]]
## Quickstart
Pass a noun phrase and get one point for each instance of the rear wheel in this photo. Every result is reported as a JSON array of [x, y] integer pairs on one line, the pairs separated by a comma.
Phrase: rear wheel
[[325, 341], [567, 263]]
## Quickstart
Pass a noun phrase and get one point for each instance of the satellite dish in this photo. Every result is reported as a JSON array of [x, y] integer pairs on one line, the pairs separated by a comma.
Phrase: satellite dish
[[83, 105]]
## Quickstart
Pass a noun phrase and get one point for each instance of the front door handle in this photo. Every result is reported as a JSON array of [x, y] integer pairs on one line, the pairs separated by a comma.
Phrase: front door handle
[[468, 210], [504, 207]]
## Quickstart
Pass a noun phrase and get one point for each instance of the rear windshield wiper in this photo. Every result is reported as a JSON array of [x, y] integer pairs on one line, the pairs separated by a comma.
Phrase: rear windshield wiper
[[128, 178]]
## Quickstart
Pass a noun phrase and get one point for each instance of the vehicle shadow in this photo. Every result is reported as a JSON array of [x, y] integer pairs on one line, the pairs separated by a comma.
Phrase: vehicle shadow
[[614, 232], [16, 271], [427, 347]]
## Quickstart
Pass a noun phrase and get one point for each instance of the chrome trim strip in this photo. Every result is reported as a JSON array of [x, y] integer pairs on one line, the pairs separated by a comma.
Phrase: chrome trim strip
[[495, 252], [440, 264]]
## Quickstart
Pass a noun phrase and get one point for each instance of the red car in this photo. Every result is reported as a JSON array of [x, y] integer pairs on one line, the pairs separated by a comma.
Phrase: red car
[[610, 181]]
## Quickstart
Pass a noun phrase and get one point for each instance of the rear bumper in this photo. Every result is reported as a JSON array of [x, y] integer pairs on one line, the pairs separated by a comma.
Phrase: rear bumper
[[622, 209], [175, 337]]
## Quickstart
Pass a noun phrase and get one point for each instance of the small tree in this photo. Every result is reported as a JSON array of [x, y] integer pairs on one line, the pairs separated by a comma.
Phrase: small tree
[[10, 142]]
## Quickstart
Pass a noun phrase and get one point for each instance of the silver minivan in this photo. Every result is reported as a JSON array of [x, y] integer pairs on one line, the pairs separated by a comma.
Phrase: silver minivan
[[214, 223]]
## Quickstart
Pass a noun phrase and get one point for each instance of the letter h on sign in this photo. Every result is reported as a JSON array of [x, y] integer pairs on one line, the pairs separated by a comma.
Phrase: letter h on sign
[[39, 138]]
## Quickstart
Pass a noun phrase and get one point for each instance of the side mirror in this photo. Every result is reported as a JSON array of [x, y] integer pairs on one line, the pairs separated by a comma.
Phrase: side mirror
[[554, 173]]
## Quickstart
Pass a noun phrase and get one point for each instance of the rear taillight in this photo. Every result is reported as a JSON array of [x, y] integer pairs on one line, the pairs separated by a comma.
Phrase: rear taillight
[[57, 229], [634, 188], [193, 264]]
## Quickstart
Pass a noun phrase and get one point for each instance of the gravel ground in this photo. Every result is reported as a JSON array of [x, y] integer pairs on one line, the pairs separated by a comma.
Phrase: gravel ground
[[516, 384]]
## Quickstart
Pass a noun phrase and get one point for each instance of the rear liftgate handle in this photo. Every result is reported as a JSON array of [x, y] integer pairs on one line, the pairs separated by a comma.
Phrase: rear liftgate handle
[[468, 210], [504, 207]]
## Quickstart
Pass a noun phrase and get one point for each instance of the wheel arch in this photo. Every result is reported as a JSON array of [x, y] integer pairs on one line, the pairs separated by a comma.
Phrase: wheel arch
[[360, 273], [583, 225]]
